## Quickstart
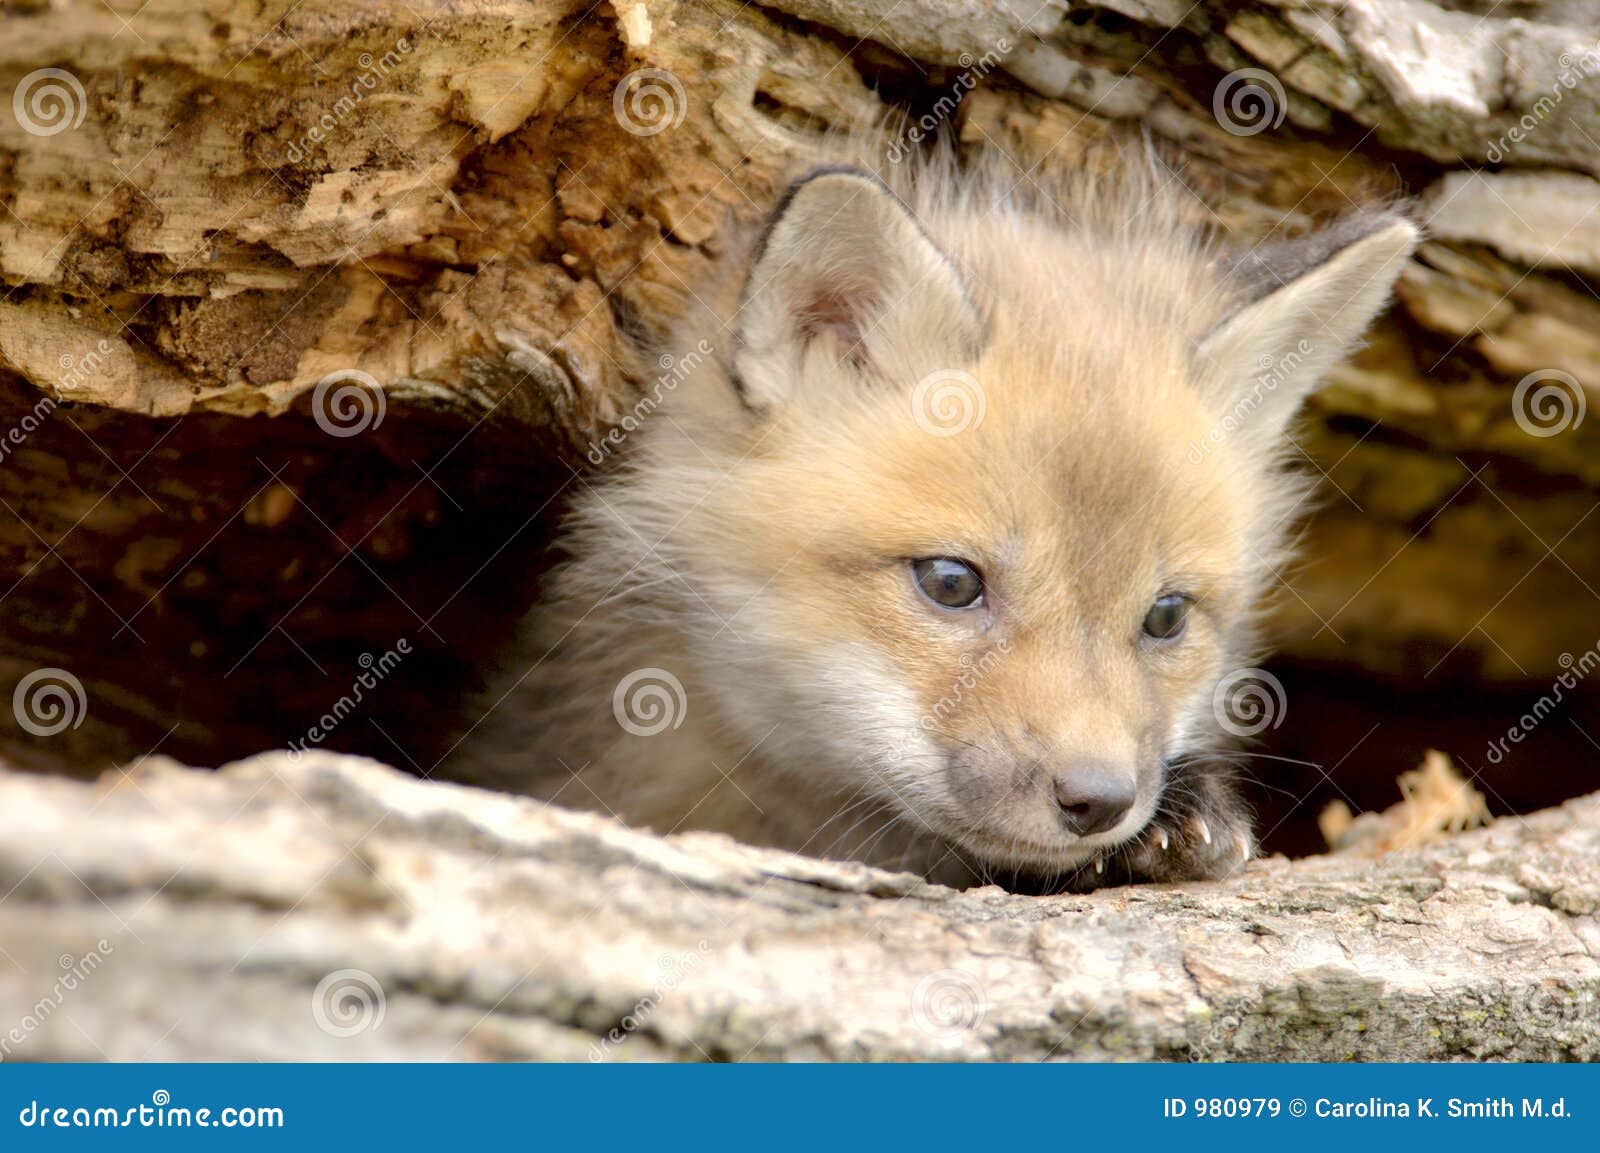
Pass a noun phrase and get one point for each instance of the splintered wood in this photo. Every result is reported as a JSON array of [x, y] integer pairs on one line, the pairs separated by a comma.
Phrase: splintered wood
[[1436, 801]]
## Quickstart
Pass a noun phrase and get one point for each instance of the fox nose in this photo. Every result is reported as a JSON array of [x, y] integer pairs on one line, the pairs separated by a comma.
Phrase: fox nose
[[1093, 798]]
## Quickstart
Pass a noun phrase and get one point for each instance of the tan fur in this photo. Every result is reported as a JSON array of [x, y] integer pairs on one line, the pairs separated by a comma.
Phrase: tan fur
[[754, 540]]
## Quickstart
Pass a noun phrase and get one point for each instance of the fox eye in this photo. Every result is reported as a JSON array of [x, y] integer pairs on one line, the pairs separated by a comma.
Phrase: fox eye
[[1167, 616], [948, 582]]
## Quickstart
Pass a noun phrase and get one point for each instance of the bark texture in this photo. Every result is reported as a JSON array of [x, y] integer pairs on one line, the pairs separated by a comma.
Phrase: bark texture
[[330, 908]]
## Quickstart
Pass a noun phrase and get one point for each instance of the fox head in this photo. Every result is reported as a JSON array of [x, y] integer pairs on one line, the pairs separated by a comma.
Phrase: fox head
[[973, 511]]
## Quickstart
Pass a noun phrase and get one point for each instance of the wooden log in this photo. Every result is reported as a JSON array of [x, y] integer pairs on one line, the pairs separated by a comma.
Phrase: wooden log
[[328, 908]]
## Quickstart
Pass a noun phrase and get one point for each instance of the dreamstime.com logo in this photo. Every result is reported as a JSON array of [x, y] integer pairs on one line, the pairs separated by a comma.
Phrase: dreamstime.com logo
[[1248, 101], [48, 101], [49, 701], [648, 101], [30, 423], [348, 1002], [1230, 1034], [1548, 402], [1274, 372], [1576, 669], [945, 107], [75, 971], [1574, 70], [948, 402], [347, 403], [672, 969], [961, 693], [160, 1113], [674, 371], [973, 671], [649, 701], [1247, 702], [76, 372], [948, 1004], [375, 669], [373, 70]]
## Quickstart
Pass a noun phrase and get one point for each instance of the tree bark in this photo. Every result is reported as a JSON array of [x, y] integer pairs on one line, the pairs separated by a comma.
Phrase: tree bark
[[332, 909]]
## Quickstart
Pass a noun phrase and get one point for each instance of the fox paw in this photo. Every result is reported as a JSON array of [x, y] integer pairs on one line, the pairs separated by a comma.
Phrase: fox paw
[[1192, 847], [1206, 837]]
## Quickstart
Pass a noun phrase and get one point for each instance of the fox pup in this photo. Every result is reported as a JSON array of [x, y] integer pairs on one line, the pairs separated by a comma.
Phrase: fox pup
[[935, 544]]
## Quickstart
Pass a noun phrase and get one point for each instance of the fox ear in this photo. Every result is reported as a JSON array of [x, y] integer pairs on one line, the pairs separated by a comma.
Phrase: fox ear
[[844, 267], [1304, 306]]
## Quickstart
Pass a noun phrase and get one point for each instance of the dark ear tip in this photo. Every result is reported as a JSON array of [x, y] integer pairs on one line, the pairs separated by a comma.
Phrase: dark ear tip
[[1266, 267], [1397, 219], [854, 171], [1393, 239], [809, 179], [826, 173]]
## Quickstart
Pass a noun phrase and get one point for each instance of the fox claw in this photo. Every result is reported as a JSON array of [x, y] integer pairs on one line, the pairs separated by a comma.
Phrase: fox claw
[[1208, 838]]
